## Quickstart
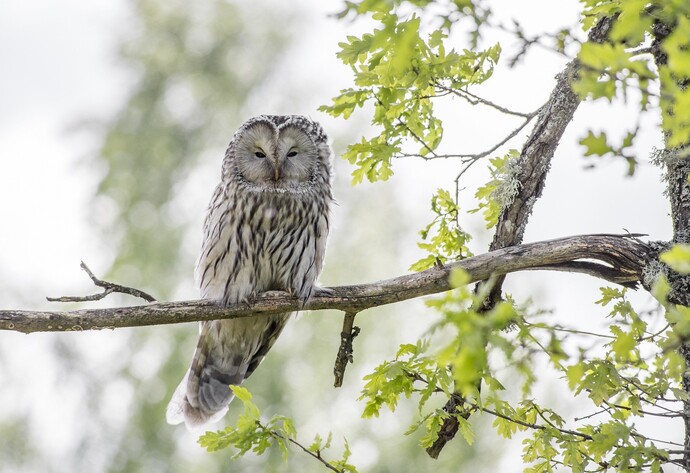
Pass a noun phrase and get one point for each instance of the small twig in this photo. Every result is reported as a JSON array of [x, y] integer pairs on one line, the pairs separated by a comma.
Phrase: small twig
[[345, 351], [108, 288], [470, 159], [316, 455], [475, 100], [647, 413]]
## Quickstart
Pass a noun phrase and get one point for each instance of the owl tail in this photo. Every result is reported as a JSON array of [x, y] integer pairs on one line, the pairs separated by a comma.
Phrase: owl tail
[[204, 393]]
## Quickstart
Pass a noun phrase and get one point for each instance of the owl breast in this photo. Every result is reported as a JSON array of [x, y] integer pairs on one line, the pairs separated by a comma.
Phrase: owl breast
[[263, 241]]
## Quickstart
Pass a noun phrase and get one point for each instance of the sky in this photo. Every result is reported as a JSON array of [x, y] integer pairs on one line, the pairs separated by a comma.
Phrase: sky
[[60, 70]]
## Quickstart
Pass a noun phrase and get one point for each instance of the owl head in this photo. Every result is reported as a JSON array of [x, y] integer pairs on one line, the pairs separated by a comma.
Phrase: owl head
[[278, 153]]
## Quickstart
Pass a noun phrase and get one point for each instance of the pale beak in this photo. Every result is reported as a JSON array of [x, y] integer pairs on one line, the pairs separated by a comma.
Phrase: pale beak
[[276, 170]]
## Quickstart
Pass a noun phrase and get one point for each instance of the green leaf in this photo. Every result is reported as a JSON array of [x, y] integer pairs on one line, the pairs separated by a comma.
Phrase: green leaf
[[596, 144], [465, 430], [678, 258], [241, 393]]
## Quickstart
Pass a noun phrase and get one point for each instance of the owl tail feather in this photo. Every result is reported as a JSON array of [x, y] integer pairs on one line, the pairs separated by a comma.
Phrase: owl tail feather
[[180, 410], [204, 393]]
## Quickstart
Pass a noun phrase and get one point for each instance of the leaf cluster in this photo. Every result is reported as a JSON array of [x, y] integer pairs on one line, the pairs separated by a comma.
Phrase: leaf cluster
[[637, 369], [443, 238], [251, 434], [625, 64], [399, 69]]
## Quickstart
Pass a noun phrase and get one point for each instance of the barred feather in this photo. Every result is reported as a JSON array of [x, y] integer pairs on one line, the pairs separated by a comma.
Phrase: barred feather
[[265, 229]]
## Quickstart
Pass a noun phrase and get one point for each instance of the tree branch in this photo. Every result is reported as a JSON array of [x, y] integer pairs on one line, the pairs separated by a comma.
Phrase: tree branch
[[621, 259], [677, 169], [345, 352], [108, 288]]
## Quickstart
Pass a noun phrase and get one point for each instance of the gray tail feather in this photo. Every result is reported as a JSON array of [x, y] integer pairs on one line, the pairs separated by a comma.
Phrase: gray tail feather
[[204, 393], [201, 400], [181, 410]]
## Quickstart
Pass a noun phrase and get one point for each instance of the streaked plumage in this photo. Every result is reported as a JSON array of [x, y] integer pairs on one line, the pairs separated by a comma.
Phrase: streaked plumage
[[265, 229]]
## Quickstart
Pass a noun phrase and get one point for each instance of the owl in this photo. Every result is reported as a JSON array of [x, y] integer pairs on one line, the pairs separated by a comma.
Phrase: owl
[[265, 229]]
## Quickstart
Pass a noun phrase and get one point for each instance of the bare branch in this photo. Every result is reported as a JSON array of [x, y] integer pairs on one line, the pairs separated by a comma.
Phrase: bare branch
[[108, 288], [345, 351], [475, 100], [622, 256]]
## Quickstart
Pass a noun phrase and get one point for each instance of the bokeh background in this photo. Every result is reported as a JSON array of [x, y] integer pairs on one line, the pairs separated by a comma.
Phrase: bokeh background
[[114, 117]]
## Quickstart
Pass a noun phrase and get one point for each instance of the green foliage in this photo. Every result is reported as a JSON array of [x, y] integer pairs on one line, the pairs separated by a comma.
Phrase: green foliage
[[251, 434], [678, 258], [500, 191], [188, 93], [613, 69], [400, 68], [598, 145], [675, 101], [451, 370], [622, 381], [443, 238]]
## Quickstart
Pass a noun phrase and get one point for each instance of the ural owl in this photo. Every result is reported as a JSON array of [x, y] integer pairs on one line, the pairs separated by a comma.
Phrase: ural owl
[[265, 229]]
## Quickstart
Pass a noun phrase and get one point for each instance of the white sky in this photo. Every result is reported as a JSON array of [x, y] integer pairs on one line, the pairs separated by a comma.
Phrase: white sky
[[59, 68]]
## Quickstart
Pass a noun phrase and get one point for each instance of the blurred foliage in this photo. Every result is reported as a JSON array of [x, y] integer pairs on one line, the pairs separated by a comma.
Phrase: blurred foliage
[[192, 77]]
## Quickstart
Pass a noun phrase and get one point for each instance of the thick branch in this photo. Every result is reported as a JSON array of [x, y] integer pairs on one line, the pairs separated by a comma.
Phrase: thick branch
[[539, 149], [621, 259], [677, 166]]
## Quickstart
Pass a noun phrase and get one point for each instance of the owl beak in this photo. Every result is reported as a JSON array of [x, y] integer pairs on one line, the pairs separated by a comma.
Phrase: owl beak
[[276, 168]]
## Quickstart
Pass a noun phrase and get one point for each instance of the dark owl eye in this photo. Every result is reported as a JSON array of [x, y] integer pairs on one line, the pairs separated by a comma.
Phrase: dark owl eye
[[292, 154], [259, 154]]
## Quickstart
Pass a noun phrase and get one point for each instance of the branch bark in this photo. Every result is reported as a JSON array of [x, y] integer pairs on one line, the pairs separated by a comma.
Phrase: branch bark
[[677, 170], [615, 258]]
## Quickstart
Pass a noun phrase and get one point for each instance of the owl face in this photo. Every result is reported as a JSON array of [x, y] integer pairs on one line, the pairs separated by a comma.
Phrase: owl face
[[278, 153]]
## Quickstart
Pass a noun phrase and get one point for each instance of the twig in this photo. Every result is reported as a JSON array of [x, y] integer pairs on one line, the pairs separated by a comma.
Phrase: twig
[[316, 455], [345, 351], [108, 288], [470, 159], [475, 100], [647, 413]]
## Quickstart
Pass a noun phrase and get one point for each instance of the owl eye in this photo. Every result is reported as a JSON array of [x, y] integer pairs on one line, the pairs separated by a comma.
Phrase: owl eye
[[292, 154], [259, 154]]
